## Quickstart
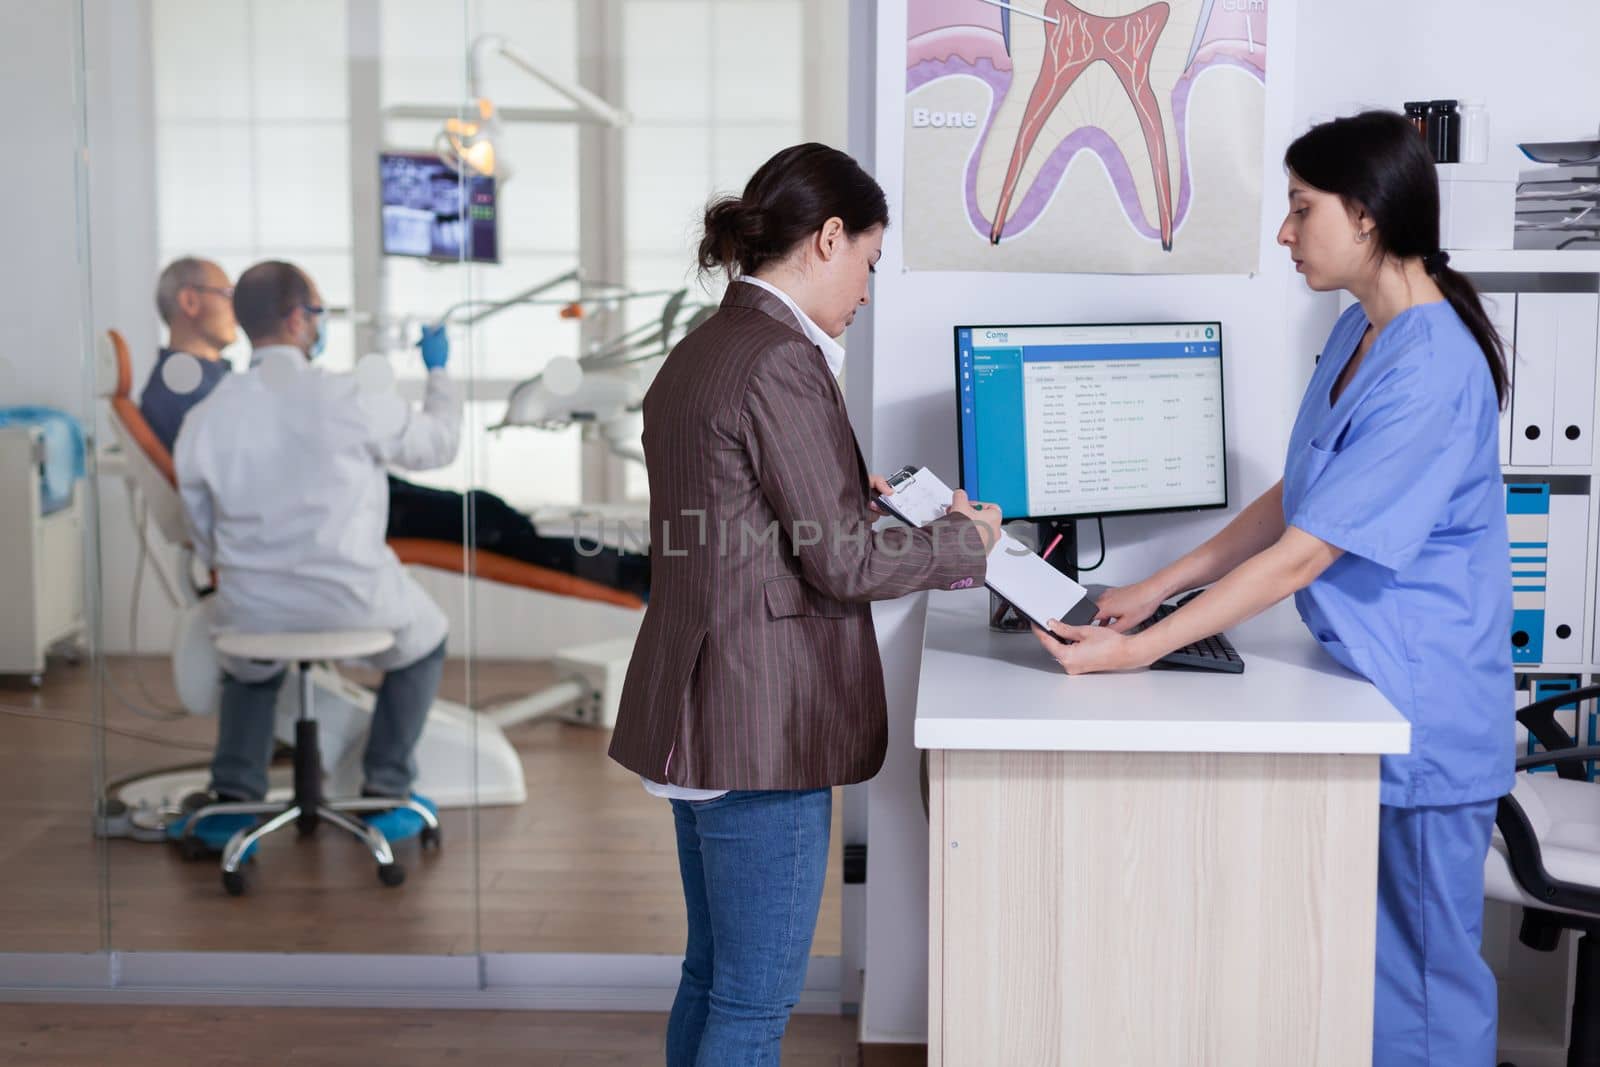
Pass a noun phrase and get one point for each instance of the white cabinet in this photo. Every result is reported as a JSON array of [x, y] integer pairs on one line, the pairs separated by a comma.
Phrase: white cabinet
[[41, 566]]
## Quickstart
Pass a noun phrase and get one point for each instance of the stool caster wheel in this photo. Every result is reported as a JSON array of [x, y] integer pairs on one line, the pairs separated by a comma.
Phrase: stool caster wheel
[[192, 848], [432, 838], [391, 874], [234, 882]]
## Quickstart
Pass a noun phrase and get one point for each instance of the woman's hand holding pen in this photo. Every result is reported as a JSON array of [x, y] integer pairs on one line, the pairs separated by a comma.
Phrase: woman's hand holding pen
[[987, 516]]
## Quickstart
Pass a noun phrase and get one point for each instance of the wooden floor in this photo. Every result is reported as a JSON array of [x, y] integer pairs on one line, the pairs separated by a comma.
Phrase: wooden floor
[[100, 1035], [587, 864]]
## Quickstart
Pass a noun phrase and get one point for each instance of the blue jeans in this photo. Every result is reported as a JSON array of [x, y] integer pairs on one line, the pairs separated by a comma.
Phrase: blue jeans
[[753, 864], [248, 716]]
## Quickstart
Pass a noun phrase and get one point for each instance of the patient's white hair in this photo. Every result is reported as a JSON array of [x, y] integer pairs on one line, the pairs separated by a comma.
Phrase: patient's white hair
[[179, 274]]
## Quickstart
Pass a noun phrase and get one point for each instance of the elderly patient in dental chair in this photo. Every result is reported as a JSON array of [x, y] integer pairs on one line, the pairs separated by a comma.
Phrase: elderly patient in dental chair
[[195, 300]]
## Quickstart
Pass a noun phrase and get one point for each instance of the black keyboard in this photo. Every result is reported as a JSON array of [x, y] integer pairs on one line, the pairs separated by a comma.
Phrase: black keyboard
[[1214, 653]]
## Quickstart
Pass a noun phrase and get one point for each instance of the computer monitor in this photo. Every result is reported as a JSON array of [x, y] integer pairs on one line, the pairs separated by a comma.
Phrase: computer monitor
[[1064, 422], [430, 212]]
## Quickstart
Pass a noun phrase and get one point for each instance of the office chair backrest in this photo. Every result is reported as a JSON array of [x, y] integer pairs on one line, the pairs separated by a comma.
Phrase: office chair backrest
[[149, 463]]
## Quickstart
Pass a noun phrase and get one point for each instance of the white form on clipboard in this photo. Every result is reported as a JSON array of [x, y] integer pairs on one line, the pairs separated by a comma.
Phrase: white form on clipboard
[[1014, 571]]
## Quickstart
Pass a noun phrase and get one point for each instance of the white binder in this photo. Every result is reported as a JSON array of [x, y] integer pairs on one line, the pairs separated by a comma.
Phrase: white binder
[[1502, 311], [1572, 422], [1564, 586], [1533, 399], [1552, 402]]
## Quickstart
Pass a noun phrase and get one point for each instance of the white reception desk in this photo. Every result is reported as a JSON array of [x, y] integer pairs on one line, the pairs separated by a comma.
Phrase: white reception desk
[[1153, 868]]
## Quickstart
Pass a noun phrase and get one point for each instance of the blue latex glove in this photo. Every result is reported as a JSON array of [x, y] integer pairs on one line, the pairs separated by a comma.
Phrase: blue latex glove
[[435, 347]]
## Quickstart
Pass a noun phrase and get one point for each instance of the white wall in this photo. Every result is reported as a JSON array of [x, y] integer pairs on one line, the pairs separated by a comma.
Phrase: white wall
[[1533, 64], [68, 277], [1538, 82], [40, 339]]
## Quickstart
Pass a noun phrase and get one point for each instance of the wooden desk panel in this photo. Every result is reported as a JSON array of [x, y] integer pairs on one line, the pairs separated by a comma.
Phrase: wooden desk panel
[[1151, 909]]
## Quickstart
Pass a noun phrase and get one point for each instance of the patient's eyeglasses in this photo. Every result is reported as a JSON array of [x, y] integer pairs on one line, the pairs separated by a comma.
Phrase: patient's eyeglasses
[[313, 309], [224, 291]]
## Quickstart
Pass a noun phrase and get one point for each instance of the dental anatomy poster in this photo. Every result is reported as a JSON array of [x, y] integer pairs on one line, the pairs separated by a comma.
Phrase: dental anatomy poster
[[1097, 136]]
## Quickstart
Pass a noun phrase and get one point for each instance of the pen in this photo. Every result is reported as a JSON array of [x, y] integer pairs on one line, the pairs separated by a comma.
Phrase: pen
[[1046, 553]]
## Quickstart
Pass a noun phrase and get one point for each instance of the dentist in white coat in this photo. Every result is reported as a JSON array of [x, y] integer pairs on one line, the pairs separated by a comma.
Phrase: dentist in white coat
[[283, 475]]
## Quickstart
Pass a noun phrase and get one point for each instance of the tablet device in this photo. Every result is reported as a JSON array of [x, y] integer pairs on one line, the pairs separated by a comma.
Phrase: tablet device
[[1015, 571]]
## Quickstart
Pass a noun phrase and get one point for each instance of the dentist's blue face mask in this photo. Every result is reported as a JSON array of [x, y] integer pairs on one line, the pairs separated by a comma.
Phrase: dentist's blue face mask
[[320, 341]]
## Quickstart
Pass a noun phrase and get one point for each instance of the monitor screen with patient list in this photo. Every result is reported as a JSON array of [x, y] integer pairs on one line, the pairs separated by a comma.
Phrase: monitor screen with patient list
[[1082, 420]]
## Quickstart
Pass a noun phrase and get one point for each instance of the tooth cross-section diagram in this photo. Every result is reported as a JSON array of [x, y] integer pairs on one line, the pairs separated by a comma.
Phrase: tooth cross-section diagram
[[1072, 43], [1096, 136]]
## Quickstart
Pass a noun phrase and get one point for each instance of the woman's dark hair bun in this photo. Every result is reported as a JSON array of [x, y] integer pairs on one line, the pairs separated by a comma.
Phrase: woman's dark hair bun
[[735, 233], [788, 199]]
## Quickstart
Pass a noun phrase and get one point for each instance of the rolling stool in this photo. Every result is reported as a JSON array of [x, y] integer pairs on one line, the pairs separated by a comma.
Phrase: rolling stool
[[308, 808]]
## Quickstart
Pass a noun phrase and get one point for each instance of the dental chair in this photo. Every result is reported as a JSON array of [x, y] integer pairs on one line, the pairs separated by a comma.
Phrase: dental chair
[[1545, 857], [589, 677]]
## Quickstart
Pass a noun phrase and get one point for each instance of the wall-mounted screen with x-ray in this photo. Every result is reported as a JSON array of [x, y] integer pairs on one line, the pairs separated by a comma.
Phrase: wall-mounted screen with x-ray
[[432, 211]]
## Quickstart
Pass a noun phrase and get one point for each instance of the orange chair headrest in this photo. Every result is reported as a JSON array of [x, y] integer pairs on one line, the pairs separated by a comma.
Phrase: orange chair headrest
[[124, 368], [128, 414]]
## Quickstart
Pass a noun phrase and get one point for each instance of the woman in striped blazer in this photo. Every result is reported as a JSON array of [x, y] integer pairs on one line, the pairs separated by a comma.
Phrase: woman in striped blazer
[[755, 685]]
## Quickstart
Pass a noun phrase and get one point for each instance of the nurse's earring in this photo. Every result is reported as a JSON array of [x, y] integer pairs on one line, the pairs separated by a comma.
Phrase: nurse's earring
[[1362, 235]]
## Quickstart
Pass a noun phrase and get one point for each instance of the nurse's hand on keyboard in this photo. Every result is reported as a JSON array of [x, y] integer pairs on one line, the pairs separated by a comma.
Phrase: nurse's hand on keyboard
[[1123, 608]]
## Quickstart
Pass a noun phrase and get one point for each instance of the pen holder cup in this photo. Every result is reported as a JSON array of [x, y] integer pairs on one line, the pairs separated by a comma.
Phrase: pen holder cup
[[1004, 618]]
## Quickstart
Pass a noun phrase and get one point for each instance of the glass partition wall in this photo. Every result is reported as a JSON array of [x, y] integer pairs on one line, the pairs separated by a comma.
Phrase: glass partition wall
[[265, 168], [526, 175]]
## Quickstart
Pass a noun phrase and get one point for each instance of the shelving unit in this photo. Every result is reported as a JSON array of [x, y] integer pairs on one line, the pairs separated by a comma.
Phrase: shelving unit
[[1527, 261], [1536, 987], [1525, 271]]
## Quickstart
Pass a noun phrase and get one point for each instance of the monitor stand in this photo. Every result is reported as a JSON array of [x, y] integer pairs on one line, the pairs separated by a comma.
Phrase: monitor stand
[[1005, 618]]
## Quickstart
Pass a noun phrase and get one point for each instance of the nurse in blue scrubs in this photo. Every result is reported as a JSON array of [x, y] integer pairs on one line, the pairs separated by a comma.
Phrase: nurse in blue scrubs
[[1389, 530]]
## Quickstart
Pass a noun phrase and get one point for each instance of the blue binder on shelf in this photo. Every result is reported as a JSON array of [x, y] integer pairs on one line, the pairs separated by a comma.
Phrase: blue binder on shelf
[[1591, 732], [1528, 523], [1547, 518]]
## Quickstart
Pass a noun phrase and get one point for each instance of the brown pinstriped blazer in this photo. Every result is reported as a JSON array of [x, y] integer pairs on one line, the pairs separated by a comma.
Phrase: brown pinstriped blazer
[[756, 666]]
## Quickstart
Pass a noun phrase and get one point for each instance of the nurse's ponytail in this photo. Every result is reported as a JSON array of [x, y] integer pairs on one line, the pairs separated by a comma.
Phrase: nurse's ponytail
[[1463, 296], [1376, 160]]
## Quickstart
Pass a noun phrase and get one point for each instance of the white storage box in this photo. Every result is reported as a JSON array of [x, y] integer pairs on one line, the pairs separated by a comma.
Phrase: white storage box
[[1477, 205]]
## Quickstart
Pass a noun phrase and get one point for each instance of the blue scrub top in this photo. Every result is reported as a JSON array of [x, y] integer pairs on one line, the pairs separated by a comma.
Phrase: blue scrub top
[[1403, 474]]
